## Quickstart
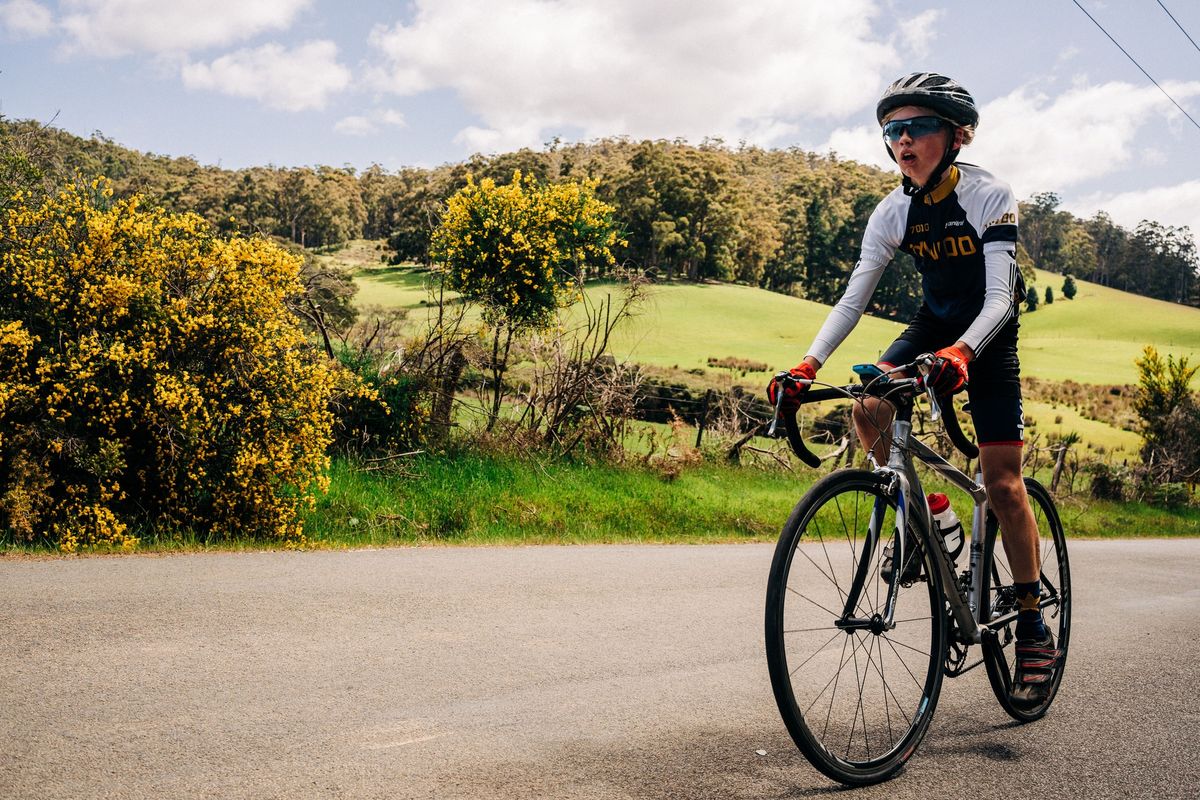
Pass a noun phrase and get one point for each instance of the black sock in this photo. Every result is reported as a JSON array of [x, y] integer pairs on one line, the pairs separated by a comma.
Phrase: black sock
[[1029, 617]]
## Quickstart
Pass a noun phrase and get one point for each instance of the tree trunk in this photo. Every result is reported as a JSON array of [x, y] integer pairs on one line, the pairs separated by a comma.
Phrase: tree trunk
[[444, 403]]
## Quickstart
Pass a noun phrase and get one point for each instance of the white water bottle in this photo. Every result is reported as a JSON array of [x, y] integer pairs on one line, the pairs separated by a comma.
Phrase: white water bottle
[[947, 523]]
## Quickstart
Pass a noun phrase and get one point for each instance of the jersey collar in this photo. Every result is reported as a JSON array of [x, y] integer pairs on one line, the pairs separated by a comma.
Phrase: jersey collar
[[943, 189]]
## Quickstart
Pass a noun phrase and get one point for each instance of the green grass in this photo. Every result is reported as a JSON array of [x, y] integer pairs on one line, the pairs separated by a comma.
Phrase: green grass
[[1055, 421], [1096, 337], [478, 499]]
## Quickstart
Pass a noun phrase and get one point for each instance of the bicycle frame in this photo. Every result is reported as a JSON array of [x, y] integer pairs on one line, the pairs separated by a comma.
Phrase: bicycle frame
[[905, 484], [966, 611]]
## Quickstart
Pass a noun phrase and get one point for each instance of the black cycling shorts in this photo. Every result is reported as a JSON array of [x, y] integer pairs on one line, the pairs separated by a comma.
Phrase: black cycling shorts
[[993, 378]]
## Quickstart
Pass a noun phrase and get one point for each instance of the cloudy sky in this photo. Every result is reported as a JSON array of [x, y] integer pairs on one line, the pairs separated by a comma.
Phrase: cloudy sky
[[292, 82]]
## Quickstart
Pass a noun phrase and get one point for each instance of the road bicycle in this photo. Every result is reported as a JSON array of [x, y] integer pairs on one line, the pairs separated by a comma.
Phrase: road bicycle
[[857, 646]]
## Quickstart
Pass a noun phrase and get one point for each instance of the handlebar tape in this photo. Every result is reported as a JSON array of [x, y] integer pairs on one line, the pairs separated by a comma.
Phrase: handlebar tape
[[954, 431]]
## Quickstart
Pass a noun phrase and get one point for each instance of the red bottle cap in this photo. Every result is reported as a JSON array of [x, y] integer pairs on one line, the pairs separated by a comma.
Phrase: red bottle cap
[[938, 502]]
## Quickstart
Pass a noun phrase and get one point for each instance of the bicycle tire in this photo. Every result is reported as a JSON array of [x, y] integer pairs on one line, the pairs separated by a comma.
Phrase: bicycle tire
[[820, 543], [1056, 590]]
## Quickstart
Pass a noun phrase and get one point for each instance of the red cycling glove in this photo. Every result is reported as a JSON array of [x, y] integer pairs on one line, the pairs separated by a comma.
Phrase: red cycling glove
[[948, 373], [792, 391]]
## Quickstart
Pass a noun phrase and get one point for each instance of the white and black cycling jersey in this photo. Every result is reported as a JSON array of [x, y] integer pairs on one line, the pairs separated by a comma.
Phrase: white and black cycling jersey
[[963, 237]]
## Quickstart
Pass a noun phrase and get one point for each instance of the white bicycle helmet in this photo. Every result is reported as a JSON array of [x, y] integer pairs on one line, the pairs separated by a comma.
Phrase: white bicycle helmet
[[945, 96]]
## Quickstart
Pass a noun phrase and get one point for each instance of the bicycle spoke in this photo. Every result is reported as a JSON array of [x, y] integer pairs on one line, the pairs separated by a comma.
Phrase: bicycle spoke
[[887, 686], [833, 614], [903, 663], [861, 710], [853, 550], [832, 578], [883, 685], [814, 655], [828, 576], [910, 647], [834, 678], [833, 696]]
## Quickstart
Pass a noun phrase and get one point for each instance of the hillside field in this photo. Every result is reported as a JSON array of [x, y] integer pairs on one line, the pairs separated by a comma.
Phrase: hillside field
[[1093, 338]]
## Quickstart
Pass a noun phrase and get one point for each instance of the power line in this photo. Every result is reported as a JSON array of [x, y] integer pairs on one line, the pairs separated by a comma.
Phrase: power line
[[1177, 25], [1136, 64]]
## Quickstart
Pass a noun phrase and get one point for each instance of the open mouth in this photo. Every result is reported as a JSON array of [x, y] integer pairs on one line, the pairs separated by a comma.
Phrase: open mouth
[[908, 158]]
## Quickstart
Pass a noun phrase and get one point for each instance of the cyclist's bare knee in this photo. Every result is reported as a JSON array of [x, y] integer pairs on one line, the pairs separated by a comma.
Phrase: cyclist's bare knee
[[873, 421]]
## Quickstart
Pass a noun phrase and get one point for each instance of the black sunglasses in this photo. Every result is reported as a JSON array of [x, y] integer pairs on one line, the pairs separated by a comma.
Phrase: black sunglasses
[[916, 127]]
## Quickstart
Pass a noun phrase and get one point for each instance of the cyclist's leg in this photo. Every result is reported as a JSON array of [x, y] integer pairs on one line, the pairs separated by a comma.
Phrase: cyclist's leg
[[1001, 464], [873, 417], [995, 391], [873, 422]]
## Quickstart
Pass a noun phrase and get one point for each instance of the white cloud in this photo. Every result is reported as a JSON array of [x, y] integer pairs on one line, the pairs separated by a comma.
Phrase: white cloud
[[1041, 144], [723, 68], [356, 126], [863, 144], [919, 33], [1171, 205], [118, 27], [26, 18], [369, 124], [293, 80]]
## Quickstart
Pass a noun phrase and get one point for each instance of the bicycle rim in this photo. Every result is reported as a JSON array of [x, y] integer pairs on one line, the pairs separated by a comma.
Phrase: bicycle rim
[[856, 703], [1056, 597]]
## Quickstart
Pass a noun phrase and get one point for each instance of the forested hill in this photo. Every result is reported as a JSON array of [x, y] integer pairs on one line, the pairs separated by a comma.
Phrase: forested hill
[[784, 220]]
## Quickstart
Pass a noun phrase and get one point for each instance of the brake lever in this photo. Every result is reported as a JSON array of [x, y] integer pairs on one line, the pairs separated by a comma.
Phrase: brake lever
[[923, 365], [780, 377]]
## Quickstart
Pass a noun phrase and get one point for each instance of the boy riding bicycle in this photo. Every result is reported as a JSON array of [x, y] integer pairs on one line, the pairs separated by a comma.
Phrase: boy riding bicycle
[[960, 225]]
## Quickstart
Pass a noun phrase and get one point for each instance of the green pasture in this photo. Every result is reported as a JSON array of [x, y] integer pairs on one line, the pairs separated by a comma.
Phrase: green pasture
[[1056, 421], [1093, 338], [1096, 337]]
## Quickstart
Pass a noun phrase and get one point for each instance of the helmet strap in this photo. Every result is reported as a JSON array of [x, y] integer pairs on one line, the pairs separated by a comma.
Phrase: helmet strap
[[917, 192]]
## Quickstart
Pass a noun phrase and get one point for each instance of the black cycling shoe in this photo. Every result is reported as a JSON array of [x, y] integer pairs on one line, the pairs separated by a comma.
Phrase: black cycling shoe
[[912, 569], [1036, 661]]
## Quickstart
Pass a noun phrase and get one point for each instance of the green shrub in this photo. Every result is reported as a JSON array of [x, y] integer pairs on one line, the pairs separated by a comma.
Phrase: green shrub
[[1168, 495], [388, 413], [1109, 481]]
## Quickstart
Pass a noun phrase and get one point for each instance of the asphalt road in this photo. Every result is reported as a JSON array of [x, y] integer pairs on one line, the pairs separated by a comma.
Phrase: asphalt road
[[582, 672]]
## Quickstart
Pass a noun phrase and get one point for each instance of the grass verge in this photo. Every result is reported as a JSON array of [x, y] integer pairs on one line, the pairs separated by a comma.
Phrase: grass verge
[[482, 499], [475, 499]]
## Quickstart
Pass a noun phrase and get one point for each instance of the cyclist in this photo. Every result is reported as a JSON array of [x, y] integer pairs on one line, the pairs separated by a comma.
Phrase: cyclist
[[960, 225]]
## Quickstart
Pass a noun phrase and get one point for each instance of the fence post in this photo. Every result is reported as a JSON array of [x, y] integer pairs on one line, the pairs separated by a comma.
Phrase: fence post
[[1058, 467], [703, 418]]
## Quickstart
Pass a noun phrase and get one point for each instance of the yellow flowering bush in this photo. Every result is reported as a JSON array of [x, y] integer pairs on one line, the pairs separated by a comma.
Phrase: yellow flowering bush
[[151, 376], [522, 250]]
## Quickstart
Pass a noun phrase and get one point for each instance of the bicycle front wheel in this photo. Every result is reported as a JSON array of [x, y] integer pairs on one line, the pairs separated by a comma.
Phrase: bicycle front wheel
[[1002, 601], [857, 702]]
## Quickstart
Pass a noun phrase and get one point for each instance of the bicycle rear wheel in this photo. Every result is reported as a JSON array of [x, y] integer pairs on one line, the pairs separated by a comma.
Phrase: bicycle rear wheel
[[856, 703], [1001, 599]]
